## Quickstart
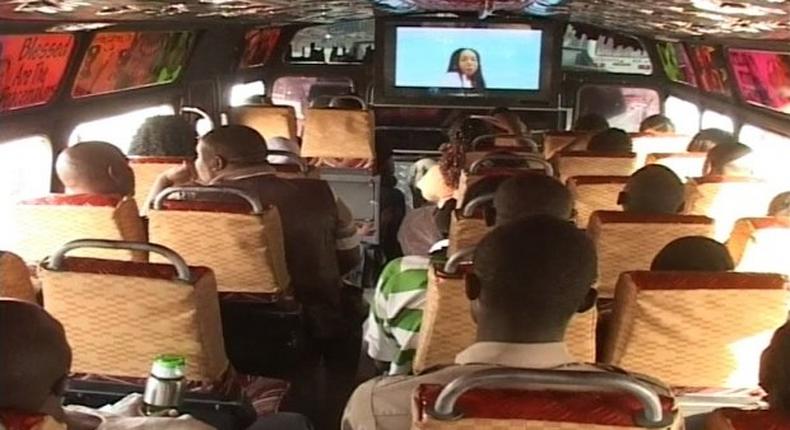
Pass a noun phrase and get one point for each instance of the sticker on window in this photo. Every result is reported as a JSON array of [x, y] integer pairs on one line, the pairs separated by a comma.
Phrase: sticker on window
[[121, 61], [676, 63], [763, 77], [258, 46], [31, 68], [711, 69]]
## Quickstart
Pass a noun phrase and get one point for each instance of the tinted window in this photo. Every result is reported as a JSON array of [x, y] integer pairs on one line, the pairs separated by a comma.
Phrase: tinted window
[[763, 77], [676, 63], [623, 107], [117, 129], [684, 114], [344, 42], [590, 49], [711, 69], [259, 44]]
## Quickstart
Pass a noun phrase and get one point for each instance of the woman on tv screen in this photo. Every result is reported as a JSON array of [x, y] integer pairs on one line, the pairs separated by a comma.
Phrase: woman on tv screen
[[465, 70]]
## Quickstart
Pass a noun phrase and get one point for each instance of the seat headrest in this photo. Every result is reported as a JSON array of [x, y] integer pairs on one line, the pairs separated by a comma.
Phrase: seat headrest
[[338, 133], [739, 419], [597, 180], [617, 217], [652, 280], [92, 200], [269, 121], [144, 159], [591, 154]]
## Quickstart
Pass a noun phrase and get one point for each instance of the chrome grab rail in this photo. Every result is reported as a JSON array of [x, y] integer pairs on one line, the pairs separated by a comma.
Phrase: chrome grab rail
[[530, 158], [257, 206], [362, 102], [469, 208], [199, 112], [530, 144], [290, 155], [461, 256]]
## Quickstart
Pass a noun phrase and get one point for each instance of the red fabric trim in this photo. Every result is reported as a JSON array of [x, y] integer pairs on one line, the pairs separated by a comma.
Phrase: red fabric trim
[[463, 270], [590, 154], [95, 200], [600, 408], [17, 420], [157, 160], [207, 206], [639, 218], [753, 420], [594, 180], [726, 179], [128, 268], [645, 280]]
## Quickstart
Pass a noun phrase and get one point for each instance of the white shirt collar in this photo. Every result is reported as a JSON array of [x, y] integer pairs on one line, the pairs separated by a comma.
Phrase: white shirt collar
[[521, 355]]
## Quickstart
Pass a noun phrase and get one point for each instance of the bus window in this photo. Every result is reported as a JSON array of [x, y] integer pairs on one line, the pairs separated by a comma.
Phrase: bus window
[[713, 119], [591, 49], [303, 91], [342, 42], [623, 107], [771, 152], [239, 93], [763, 77], [117, 129], [676, 63], [685, 115]]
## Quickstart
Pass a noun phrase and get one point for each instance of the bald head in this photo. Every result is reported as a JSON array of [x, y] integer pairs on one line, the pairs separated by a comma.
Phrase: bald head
[[35, 358], [228, 147], [95, 168], [653, 189]]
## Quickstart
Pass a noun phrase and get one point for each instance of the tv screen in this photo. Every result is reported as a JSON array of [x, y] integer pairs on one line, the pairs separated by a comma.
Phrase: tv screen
[[476, 59]]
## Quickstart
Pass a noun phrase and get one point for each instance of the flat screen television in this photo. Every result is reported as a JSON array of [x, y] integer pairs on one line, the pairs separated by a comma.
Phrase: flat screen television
[[471, 63]]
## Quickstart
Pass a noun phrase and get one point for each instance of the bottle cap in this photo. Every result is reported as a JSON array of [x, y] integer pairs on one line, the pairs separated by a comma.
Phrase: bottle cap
[[168, 367]]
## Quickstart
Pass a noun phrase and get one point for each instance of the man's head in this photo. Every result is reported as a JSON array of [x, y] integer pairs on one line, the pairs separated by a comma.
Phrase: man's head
[[526, 195], [709, 138], [694, 254], [508, 121], [530, 277], [612, 140], [653, 189], [775, 370], [36, 359], [95, 168], [728, 160], [657, 124], [780, 205], [227, 147], [592, 122], [168, 135]]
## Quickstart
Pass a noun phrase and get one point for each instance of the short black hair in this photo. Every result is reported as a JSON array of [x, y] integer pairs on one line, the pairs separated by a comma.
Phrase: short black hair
[[539, 266], [721, 155], [694, 254], [654, 189], [709, 138], [780, 205], [659, 123], [775, 372], [591, 122], [532, 194], [465, 129], [611, 140], [237, 144], [168, 135]]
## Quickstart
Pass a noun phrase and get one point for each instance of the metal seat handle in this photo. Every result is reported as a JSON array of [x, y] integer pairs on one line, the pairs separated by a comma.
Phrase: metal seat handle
[[359, 99], [653, 416], [454, 262], [469, 208], [199, 112], [55, 262], [530, 158], [255, 203], [291, 156], [531, 144]]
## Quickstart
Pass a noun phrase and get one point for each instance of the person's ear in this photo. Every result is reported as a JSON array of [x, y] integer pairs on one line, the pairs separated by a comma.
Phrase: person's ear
[[218, 163], [489, 214], [122, 179], [589, 301], [472, 286]]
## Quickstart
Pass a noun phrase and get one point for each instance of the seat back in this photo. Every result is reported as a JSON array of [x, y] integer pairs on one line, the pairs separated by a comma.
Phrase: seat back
[[46, 223], [339, 134], [447, 326], [695, 329], [644, 144], [15, 278], [727, 199], [684, 164], [585, 163], [554, 142], [244, 245], [120, 315], [269, 121], [761, 245], [146, 171], [738, 419], [627, 241], [595, 193], [544, 399]]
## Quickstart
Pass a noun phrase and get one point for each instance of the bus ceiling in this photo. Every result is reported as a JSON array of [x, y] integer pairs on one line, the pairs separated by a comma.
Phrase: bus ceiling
[[718, 19]]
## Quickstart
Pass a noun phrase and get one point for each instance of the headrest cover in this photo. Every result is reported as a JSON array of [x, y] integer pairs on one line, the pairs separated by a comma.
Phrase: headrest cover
[[338, 133], [596, 180], [269, 121], [617, 217], [646, 280]]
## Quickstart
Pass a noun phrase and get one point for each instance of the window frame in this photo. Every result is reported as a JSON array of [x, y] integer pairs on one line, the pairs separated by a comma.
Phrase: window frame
[[620, 84]]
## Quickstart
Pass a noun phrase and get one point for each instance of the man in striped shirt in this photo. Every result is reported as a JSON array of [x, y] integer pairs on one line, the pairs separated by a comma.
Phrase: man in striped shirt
[[393, 326]]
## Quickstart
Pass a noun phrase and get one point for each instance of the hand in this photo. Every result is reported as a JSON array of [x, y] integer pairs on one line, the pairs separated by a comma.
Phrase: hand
[[183, 174]]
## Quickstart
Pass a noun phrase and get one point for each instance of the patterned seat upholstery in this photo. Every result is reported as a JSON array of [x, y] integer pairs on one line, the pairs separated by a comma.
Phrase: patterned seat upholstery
[[465, 231], [585, 163], [339, 138], [737, 419], [447, 325], [727, 199], [695, 329], [269, 121], [15, 278], [594, 193], [555, 142], [47, 223], [146, 171], [645, 144], [245, 250], [684, 164], [761, 245], [627, 241]]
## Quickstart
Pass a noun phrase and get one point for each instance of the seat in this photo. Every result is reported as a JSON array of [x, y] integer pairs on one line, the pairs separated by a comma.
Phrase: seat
[[15, 278], [46, 223], [556, 141], [585, 163], [119, 315], [684, 164], [269, 121], [738, 419], [497, 399], [627, 241], [645, 144], [761, 245], [447, 325], [695, 329], [339, 138], [242, 241], [594, 193], [727, 199], [146, 171]]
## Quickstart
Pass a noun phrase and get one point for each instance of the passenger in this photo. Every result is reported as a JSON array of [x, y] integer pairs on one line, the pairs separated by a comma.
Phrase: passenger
[[728, 160], [164, 136], [591, 122], [612, 140], [780, 205], [345, 103], [279, 143], [653, 189], [396, 313], [775, 371], [706, 139], [95, 168], [694, 254], [530, 277], [392, 205], [428, 224], [657, 124], [509, 122]]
